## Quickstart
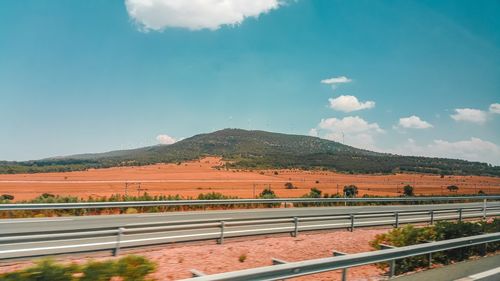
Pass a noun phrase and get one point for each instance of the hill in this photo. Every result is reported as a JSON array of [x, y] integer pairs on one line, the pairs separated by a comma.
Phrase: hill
[[259, 150]]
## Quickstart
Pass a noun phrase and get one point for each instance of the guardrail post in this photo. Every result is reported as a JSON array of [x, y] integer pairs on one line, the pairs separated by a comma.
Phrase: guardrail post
[[295, 232], [352, 223], [484, 209], [392, 263], [221, 238], [432, 217], [485, 249], [460, 214], [429, 255], [277, 261], [344, 270], [197, 273], [118, 241], [396, 214], [392, 268]]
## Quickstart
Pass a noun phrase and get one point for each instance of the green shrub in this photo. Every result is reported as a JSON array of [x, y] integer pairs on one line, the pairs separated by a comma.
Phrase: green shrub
[[443, 230], [313, 193], [134, 268], [47, 269], [129, 268], [404, 236], [47, 195], [242, 258], [448, 230], [98, 271], [130, 211], [267, 193], [14, 276], [408, 190], [452, 188], [6, 197]]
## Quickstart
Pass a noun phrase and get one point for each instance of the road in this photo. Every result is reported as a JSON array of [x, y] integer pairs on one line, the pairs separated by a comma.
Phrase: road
[[76, 223], [47, 225], [137, 235]]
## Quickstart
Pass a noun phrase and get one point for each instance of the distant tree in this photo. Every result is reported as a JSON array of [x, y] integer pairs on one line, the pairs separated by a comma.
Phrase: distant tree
[[408, 190], [6, 197], [481, 192], [290, 185], [350, 190], [314, 193], [452, 188], [267, 193], [47, 195]]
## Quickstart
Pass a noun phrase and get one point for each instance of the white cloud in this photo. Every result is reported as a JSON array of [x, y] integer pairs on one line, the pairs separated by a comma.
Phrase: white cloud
[[195, 14], [313, 132], [474, 149], [165, 139], [353, 130], [334, 81], [349, 103], [469, 115], [351, 124], [413, 122], [495, 108]]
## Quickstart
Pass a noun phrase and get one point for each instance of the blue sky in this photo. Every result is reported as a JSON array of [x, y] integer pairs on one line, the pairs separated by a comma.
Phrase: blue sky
[[407, 77]]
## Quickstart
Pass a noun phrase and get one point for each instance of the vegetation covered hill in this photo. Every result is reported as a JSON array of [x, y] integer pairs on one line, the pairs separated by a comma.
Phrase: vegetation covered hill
[[256, 150]]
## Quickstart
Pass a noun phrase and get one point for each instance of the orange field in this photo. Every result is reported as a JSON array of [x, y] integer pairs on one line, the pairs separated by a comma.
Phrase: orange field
[[193, 178]]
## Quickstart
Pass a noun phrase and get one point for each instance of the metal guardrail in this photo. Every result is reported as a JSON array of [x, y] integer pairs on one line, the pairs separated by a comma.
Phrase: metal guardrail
[[296, 269], [116, 238], [97, 205]]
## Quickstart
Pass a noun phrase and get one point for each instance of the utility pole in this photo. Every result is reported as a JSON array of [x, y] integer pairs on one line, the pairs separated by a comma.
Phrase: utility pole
[[139, 189], [344, 192]]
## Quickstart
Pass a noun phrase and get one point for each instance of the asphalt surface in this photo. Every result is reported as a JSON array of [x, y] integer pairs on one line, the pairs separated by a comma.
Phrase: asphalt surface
[[150, 229], [456, 271], [77, 223]]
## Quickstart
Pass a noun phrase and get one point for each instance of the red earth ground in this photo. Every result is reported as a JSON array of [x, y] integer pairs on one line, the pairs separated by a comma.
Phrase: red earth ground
[[206, 175]]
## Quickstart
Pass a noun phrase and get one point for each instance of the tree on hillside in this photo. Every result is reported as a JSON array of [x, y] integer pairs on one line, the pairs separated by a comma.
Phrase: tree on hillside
[[350, 190], [290, 185], [452, 188], [408, 190]]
